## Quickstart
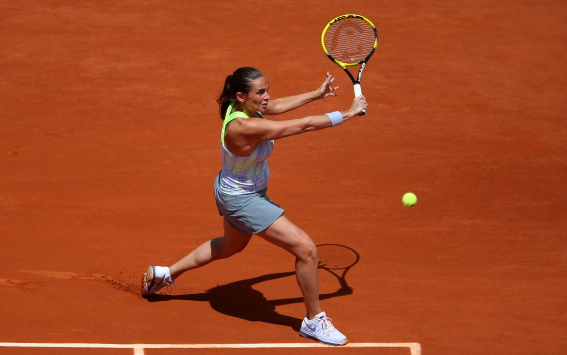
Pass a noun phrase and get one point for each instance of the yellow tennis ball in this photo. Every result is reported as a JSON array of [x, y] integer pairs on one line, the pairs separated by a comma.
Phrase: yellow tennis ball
[[409, 199]]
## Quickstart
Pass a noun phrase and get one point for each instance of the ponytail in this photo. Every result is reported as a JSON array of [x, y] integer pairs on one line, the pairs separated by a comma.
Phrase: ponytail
[[239, 81]]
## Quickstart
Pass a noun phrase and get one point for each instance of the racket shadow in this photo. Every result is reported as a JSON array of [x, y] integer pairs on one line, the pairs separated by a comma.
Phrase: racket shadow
[[239, 299], [338, 260]]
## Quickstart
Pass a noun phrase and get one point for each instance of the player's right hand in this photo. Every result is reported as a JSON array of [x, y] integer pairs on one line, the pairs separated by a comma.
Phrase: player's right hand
[[358, 104]]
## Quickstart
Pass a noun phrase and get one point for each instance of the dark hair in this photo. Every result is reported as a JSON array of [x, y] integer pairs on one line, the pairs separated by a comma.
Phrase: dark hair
[[239, 81]]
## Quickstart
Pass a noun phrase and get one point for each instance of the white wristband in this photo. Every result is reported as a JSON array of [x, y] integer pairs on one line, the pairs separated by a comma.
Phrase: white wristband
[[335, 117]]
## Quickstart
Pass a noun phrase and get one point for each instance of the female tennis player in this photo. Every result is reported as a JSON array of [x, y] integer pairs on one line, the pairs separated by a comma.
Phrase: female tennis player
[[240, 189]]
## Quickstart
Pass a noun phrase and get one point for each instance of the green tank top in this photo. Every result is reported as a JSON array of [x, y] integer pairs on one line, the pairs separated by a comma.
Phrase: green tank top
[[247, 174]]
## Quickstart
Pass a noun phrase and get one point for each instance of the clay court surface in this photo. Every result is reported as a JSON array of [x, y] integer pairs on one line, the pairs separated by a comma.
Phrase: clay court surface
[[109, 145]]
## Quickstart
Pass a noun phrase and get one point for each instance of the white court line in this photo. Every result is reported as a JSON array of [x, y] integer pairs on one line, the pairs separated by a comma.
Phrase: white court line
[[415, 348]]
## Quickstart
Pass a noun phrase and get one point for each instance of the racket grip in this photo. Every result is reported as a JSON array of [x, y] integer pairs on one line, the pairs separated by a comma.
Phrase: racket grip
[[357, 93], [357, 90]]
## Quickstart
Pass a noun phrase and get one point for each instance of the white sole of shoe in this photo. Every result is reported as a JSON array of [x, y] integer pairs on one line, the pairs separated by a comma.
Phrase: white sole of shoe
[[147, 279], [308, 336]]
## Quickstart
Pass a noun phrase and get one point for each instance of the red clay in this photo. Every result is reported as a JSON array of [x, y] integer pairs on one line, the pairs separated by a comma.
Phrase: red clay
[[109, 147]]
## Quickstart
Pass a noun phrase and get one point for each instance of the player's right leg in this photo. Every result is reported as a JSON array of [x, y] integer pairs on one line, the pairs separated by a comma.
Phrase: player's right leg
[[316, 324]]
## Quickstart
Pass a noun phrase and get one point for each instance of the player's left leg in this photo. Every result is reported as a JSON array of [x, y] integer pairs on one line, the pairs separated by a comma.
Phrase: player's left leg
[[230, 243]]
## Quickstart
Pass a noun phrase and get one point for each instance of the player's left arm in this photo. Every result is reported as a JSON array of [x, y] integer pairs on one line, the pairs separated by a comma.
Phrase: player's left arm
[[288, 103]]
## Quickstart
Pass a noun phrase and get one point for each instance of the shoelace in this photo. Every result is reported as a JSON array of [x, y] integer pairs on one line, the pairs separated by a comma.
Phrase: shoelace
[[328, 325], [161, 284], [170, 288]]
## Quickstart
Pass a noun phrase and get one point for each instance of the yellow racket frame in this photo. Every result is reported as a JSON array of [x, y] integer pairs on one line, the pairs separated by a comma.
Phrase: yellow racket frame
[[338, 18]]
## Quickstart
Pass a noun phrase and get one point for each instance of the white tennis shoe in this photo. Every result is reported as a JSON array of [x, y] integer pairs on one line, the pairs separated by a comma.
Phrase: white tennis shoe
[[155, 278], [321, 328]]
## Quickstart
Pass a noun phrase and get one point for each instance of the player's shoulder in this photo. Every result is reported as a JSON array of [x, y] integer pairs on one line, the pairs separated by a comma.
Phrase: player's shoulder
[[247, 126]]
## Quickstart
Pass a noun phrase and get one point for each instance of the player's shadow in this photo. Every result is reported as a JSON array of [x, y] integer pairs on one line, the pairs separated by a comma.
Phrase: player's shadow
[[239, 299]]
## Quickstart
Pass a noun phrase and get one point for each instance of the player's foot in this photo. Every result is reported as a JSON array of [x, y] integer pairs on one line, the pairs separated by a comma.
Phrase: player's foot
[[322, 329], [156, 278]]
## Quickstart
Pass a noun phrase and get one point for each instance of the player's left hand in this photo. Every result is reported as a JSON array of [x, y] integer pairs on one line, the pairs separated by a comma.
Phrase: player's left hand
[[327, 89]]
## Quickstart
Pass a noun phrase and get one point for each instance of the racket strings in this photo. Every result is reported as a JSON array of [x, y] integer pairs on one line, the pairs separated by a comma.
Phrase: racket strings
[[350, 40]]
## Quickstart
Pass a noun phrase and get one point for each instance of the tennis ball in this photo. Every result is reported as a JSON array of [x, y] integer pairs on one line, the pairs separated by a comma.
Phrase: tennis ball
[[409, 199]]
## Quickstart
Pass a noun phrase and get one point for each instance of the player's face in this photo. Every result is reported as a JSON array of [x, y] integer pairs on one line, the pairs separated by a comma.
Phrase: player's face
[[257, 98]]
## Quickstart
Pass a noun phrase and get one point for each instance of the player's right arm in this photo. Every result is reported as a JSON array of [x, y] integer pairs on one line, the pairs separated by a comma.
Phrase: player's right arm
[[243, 135]]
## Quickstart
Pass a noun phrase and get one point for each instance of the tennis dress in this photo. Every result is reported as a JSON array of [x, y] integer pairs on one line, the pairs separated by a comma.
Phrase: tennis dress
[[241, 185]]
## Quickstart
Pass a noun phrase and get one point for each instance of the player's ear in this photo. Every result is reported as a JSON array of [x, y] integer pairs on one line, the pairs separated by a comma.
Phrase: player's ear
[[240, 97]]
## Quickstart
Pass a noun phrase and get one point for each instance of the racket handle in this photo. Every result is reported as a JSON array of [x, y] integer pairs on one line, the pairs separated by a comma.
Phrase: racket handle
[[357, 93], [357, 90]]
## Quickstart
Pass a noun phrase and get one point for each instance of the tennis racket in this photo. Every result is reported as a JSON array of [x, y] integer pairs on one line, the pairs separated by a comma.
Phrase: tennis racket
[[349, 41], [338, 260]]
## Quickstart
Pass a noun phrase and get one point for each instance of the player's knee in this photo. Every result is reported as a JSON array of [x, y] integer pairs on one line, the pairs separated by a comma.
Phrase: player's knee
[[238, 248], [223, 249], [235, 249], [308, 250]]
